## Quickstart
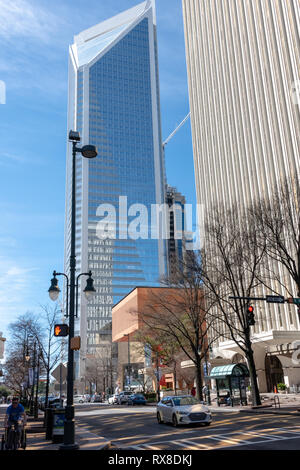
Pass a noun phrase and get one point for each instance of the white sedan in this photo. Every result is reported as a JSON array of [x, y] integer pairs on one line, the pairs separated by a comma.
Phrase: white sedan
[[182, 410]]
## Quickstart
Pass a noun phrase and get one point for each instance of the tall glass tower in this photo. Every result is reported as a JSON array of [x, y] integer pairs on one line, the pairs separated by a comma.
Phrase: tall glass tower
[[114, 104]]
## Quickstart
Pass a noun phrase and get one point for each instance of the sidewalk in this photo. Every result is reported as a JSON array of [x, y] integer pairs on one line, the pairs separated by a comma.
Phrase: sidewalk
[[85, 439], [289, 404], [36, 435]]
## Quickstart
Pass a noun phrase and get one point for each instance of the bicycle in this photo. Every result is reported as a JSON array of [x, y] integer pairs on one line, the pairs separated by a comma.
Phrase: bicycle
[[15, 437]]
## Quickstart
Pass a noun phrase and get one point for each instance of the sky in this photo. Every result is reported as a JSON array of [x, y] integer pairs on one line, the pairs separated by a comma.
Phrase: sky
[[34, 39]]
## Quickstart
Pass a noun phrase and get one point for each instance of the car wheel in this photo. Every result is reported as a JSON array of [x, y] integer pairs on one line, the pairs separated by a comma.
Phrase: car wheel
[[174, 421], [159, 420]]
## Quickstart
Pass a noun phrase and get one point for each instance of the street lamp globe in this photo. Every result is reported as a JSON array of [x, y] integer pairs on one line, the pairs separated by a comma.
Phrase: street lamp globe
[[89, 151], [54, 290], [89, 290]]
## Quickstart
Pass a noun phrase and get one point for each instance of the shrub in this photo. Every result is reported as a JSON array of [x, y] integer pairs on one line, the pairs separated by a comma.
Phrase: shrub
[[281, 386]]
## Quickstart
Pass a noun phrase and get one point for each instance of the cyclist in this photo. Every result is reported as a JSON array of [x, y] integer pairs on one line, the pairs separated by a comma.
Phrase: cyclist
[[13, 414]]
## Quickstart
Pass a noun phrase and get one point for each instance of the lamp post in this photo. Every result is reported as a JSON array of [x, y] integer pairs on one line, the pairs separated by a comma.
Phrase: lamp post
[[33, 379], [36, 408], [87, 151], [129, 366]]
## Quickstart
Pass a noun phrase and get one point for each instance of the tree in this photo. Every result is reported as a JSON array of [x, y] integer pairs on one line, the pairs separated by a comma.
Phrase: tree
[[230, 265], [49, 345], [159, 348], [180, 313], [277, 221], [16, 368]]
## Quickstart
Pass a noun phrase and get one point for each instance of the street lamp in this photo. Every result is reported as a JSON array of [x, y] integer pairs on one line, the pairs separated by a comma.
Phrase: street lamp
[[87, 151], [54, 290]]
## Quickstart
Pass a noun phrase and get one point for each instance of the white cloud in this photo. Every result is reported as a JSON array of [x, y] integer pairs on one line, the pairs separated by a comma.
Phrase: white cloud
[[16, 289], [23, 19]]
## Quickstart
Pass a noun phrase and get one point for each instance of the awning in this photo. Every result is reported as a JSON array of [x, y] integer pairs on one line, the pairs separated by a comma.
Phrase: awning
[[229, 370]]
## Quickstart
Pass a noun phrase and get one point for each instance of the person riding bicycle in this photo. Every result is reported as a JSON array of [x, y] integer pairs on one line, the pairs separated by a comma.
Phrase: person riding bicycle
[[13, 414]]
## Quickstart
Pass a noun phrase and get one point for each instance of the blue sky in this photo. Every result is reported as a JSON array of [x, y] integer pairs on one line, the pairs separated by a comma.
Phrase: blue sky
[[34, 40]]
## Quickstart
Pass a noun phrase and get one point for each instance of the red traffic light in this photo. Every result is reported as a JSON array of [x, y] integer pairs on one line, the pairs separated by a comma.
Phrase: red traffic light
[[250, 309], [61, 330]]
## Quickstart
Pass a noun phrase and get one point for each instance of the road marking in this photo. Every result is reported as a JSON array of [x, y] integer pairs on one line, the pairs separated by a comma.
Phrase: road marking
[[151, 447], [115, 411], [226, 440], [196, 445], [223, 441]]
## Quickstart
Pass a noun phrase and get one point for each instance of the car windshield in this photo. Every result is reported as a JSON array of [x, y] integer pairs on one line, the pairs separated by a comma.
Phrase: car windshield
[[183, 401]]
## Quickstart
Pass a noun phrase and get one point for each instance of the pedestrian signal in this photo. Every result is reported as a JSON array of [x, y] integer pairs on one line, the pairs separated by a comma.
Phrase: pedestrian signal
[[61, 330]]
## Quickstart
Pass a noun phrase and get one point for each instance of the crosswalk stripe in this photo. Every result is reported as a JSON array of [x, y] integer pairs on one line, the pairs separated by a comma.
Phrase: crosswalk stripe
[[196, 445]]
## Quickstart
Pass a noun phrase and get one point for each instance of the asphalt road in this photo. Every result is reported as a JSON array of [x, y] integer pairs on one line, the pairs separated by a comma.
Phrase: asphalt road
[[136, 428]]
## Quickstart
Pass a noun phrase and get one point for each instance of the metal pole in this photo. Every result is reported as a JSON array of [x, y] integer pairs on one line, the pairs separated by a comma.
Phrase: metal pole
[[129, 366], [157, 377], [207, 385], [33, 377], [69, 427], [36, 409]]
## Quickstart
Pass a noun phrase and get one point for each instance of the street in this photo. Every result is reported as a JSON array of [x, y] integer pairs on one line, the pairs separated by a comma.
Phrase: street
[[136, 428]]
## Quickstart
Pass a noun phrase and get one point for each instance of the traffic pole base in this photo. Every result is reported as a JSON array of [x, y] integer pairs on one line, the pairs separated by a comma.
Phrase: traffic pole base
[[69, 447]]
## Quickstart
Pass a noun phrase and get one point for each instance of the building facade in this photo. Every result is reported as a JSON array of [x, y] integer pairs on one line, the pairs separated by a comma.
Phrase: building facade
[[114, 104], [176, 219], [243, 61]]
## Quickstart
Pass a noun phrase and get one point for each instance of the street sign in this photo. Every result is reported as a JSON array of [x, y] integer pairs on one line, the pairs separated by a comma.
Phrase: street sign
[[56, 372], [294, 300], [275, 299]]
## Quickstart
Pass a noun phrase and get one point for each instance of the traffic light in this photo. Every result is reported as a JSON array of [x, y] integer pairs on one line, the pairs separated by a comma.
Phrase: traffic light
[[250, 315], [61, 330]]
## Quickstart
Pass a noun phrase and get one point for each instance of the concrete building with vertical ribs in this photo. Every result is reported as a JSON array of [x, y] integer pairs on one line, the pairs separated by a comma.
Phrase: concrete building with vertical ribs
[[243, 62]]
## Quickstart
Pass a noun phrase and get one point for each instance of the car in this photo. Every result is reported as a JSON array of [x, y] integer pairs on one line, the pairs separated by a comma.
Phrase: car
[[79, 399], [87, 397], [184, 409], [123, 397], [113, 399], [136, 399], [96, 398]]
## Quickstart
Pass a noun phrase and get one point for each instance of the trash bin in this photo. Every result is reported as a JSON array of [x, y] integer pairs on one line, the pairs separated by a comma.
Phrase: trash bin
[[58, 424], [49, 423]]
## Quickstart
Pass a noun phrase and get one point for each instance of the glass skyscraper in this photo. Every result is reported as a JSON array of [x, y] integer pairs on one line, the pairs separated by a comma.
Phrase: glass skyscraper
[[114, 104]]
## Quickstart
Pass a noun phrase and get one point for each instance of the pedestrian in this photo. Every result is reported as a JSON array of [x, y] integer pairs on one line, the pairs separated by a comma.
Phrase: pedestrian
[[204, 392], [193, 392]]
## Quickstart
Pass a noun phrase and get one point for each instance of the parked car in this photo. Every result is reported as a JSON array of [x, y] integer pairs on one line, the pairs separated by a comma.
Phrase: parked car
[[78, 399], [182, 410], [96, 398], [52, 401], [123, 397], [136, 399], [87, 397], [113, 399]]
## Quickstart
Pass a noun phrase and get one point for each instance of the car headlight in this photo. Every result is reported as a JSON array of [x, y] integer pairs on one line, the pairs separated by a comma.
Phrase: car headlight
[[183, 412]]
